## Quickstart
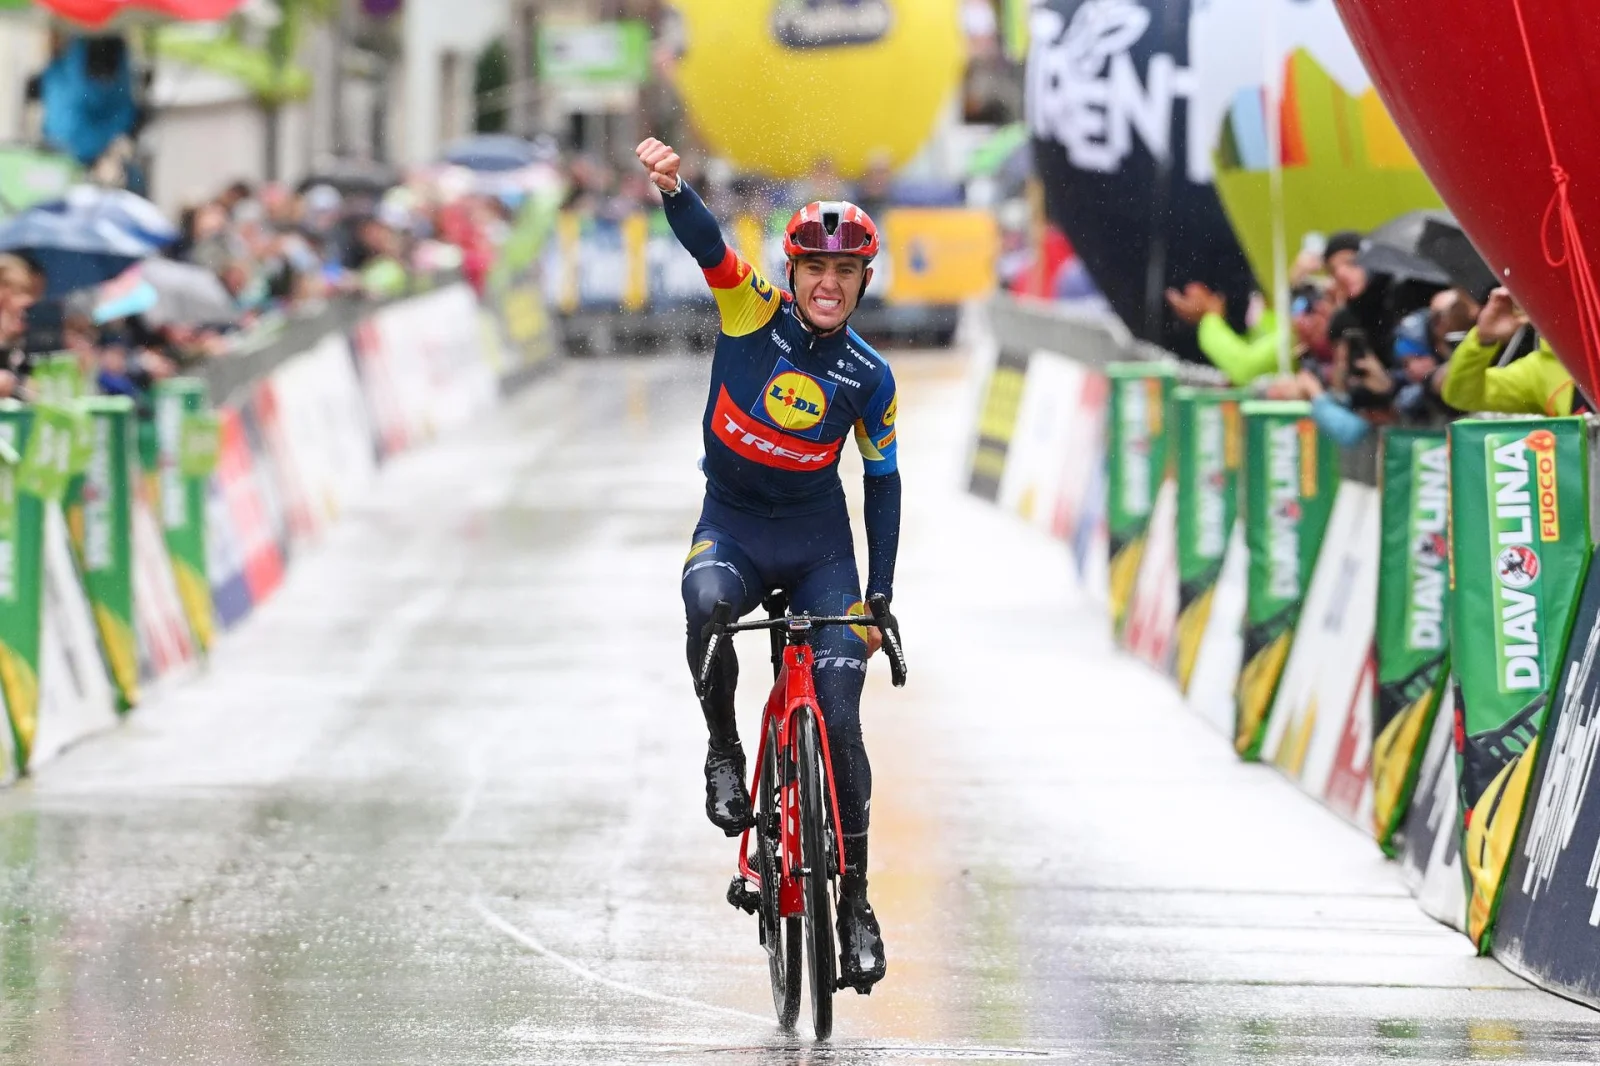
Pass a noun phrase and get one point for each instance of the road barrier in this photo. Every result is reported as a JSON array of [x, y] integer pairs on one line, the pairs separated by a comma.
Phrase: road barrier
[[1318, 620], [123, 543], [1409, 651]]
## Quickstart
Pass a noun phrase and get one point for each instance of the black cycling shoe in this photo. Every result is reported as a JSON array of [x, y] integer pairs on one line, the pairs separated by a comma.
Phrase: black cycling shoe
[[861, 959], [727, 802]]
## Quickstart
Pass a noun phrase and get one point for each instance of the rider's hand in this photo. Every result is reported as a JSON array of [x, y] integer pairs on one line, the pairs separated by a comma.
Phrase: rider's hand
[[874, 640], [662, 163]]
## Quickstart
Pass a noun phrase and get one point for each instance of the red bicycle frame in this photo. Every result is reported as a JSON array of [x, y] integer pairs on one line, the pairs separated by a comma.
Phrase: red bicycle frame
[[792, 690]]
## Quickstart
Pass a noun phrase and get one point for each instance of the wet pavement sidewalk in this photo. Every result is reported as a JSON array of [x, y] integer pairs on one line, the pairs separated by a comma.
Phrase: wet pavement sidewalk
[[440, 802]]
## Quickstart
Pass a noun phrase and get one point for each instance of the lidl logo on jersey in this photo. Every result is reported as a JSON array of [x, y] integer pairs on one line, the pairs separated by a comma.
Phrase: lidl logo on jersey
[[795, 402]]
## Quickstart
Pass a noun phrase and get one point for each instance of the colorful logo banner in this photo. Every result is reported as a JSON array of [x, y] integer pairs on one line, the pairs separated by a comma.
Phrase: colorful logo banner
[[1519, 546], [100, 518], [1209, 451], [1410, 645], [178, 401], [1290, 476], [1136, 461], [21, 585]]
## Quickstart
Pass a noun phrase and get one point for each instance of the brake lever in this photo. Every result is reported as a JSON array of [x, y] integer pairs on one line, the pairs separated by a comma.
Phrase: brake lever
[[889, 629], [716, 633]]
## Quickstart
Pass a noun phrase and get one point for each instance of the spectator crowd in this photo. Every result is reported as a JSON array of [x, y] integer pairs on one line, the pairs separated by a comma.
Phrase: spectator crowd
[[1370, 344], [242, 265]]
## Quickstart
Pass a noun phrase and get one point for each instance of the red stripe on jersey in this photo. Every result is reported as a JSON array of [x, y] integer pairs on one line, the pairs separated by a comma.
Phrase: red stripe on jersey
[[729, 273], [765, 445]]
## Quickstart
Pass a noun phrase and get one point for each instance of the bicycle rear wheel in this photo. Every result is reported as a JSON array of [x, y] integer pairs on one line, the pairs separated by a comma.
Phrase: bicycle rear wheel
[[781, 937], [815, 832]]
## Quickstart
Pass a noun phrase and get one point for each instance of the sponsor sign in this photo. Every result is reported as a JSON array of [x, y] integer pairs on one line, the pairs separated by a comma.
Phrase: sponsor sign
[[754, 440], [1410, 647], [21, 586], [1136, 461], [1320, 730], [1548, 928], [1290, 474], [100, 520], [1215, 678], [940, 256], [1151, 624], [75, 696], [1209, 450], [997, 422], [183, 500], [1519, 513], [1430, 860]]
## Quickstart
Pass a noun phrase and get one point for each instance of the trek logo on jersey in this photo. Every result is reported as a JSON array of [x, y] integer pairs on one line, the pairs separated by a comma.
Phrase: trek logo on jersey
[[795, 402], [754, 441]]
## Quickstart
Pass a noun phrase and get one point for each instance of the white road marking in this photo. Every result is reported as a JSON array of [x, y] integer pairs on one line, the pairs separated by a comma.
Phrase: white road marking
[[496, 922]]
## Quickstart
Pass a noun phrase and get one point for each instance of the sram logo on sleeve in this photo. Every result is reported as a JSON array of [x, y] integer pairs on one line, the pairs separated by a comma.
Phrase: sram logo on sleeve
[[1525, 499]]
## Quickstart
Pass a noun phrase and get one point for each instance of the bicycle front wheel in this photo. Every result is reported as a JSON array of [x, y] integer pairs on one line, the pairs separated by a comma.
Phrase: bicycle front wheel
[[780, 936], [815, 832]]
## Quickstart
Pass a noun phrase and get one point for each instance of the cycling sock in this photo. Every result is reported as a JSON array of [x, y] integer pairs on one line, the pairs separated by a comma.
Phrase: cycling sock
[[717, 705], [854, 880]]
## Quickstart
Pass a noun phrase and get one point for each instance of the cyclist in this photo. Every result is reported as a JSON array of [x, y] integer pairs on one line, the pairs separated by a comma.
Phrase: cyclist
[[789, 381]]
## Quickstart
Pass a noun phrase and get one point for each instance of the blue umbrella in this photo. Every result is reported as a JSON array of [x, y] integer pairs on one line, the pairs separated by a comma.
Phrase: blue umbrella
[[492, 152], [127, 211], [83, 240]]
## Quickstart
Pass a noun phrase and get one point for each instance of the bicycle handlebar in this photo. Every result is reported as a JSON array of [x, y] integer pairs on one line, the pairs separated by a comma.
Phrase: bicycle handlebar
[[881, 619]]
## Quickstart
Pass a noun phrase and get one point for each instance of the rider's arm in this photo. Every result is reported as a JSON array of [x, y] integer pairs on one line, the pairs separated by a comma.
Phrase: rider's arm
[[745, 299], [875, 436]]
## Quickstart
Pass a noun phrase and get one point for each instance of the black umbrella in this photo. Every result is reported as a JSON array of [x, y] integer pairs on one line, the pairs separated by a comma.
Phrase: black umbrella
[[1429, 239]]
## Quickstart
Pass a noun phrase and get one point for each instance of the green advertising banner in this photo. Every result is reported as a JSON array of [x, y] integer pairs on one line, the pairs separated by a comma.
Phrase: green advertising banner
[[56, 379], [1207, 430], [100, 518], [1291, 474], [1519, 545], [179, 402], [1136, 461], [21, 584], [1410, 646], [53, 444]]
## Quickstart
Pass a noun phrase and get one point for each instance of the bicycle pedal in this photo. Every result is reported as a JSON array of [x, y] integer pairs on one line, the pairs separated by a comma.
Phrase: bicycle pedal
[[742, 897], [863, 988]]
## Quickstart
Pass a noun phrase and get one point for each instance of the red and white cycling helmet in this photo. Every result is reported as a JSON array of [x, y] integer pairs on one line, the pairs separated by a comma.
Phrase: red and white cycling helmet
[[831, 227]]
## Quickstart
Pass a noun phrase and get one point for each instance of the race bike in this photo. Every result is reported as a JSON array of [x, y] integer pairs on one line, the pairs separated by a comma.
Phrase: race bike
[[789, 881]]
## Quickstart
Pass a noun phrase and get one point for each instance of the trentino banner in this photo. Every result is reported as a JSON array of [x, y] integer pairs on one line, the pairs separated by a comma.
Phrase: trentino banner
[[1410, 645], [1209, 451], [1519, 519], [1290, 477], [100, 518], [1136, 461]]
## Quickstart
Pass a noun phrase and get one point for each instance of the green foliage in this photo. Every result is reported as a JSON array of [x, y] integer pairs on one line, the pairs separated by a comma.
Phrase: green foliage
[[491, 81]]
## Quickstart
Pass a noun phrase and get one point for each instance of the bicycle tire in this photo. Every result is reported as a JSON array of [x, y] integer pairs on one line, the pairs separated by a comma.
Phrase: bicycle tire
[[820, 957], [779, 936]]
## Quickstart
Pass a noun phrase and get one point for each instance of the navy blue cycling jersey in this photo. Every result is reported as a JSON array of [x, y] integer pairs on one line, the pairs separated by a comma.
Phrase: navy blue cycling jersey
[[783, 399]]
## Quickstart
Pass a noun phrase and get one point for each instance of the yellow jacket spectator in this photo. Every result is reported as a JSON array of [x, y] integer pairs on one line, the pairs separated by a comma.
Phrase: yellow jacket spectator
[[1536, 384], [1245, 358]]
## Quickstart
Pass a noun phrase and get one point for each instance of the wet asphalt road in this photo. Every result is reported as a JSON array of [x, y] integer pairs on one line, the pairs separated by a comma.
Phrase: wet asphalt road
[[439, 802]]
